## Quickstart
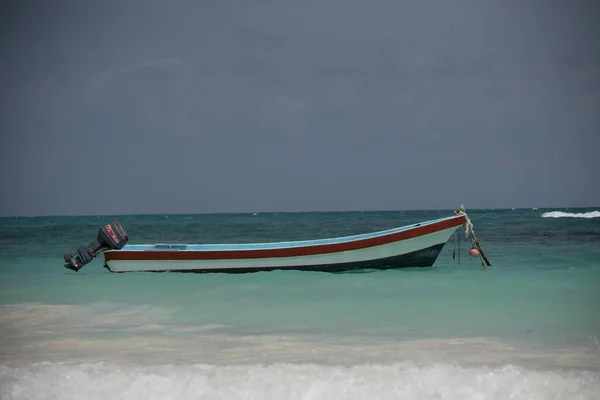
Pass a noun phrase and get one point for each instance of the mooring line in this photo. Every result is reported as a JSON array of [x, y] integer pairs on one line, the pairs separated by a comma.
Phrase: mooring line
[[474, 240]]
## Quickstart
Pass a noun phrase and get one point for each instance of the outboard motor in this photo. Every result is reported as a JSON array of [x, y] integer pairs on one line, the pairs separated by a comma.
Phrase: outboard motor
[[110, 237]]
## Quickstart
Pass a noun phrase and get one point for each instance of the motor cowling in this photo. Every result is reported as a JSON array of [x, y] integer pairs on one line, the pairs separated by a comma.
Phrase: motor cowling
[[110, 237]]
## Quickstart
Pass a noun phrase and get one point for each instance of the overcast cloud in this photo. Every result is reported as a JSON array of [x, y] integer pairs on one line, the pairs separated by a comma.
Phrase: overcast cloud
[[239, 106]]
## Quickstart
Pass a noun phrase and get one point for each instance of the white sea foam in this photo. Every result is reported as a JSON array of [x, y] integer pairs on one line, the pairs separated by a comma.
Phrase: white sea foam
[[292, 381], [561, 214]]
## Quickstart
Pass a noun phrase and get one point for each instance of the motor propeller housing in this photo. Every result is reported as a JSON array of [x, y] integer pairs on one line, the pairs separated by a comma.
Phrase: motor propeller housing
[[110, 237]]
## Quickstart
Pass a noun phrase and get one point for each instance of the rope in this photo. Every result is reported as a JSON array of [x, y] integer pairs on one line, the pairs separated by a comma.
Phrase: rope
[[469, 231]]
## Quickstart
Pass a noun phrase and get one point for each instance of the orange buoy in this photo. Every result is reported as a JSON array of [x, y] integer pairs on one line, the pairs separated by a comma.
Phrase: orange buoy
[[474, 252]]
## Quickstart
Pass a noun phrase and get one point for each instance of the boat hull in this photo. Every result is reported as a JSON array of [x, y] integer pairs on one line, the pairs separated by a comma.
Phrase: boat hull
[[411, 246], [421, 258]]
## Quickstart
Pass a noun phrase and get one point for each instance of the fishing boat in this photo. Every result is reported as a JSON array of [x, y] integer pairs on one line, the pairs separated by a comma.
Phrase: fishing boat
[[415, 245]]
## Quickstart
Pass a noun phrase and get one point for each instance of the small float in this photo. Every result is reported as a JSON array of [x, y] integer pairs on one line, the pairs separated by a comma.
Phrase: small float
[[415, 245]]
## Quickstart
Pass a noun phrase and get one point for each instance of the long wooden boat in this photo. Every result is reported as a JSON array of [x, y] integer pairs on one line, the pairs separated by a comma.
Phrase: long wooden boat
[[416, 245]]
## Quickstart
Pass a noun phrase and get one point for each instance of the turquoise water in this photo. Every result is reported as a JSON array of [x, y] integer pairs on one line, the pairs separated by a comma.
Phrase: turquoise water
[[528, 326]]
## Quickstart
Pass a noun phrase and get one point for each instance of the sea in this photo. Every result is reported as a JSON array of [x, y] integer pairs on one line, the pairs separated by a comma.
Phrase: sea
[[526, 327]]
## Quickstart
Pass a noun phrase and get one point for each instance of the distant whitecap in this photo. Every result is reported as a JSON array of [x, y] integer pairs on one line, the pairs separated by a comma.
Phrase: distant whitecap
[[561, 214]]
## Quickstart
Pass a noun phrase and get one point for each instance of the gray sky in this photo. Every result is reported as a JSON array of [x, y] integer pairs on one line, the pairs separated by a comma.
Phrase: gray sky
[[241, 106]]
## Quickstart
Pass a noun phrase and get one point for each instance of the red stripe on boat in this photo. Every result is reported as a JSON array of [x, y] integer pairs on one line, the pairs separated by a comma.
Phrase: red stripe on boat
[[284, 252]]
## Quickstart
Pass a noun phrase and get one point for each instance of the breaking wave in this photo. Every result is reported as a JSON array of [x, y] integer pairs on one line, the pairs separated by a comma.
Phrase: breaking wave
[[292, 381], [561, 214]]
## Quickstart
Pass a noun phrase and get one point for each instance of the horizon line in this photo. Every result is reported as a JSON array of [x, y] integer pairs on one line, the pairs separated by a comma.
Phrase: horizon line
[[290, 212]]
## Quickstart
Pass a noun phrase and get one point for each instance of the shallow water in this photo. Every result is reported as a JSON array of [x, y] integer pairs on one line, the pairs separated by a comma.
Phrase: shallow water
[[528, 326]]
